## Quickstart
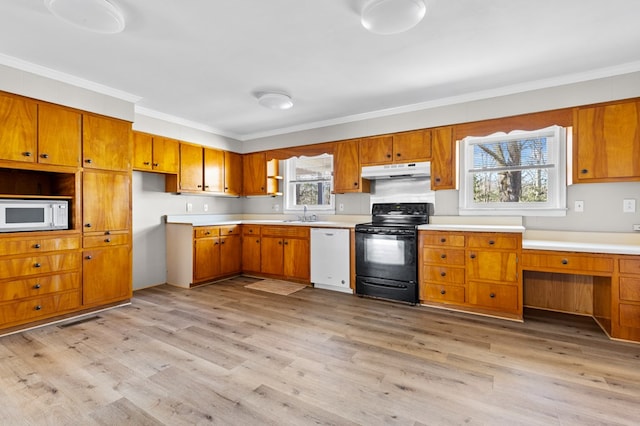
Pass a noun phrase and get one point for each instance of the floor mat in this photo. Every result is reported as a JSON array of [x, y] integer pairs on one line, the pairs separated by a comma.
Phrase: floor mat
[[276, 286]]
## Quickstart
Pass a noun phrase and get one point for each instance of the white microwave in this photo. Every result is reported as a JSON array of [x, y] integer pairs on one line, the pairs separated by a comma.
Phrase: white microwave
[[33, 215]]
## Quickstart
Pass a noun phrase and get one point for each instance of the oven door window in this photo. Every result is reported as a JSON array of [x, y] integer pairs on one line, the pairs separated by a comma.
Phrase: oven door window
[[386, 256], [384, 251]]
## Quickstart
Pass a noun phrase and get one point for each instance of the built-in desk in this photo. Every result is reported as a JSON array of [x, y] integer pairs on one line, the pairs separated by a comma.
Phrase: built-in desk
[[585, 273]]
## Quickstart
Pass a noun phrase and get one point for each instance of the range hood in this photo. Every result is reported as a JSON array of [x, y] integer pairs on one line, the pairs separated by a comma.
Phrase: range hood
[[389, 171]]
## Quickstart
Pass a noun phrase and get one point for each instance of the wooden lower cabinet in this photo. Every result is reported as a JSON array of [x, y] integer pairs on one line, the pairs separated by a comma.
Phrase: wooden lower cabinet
[[625, 321], [472, 271], [251, 243], [286, 252], [106, 275]]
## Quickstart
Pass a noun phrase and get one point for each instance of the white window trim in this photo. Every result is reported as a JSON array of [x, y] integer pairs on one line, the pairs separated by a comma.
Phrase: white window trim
[[287, 202], [557, 204]]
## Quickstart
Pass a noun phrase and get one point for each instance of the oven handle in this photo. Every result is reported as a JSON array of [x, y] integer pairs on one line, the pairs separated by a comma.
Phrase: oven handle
[[384, 285]]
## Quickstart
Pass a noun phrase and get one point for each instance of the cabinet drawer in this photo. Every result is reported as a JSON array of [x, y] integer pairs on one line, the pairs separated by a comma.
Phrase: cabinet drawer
[[507, 242], [630, 315], [630, 289], [443, 274], [25, 266], [630, 266], [442, 239], [21, 245], [105, 240], [251, 229], [572, 263], [230, 230], [443, 256], [286, 231], [443, 293], [206, 231], [494, 296], [39, 307], [19, 289]]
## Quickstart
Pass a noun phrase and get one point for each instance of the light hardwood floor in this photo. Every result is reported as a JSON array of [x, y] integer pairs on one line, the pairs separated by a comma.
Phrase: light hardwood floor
[[224, 354]]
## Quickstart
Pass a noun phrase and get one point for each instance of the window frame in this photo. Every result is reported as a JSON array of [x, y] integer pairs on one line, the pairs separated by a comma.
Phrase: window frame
[[556, 204], [289, 195]]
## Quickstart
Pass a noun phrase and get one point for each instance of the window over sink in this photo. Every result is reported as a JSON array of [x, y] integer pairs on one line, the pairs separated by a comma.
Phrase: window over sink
[[308, 181]]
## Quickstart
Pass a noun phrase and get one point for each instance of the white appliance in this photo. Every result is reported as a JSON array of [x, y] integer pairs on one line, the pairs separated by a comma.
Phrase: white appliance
[[33, 214], [402, 170], [330, 259]]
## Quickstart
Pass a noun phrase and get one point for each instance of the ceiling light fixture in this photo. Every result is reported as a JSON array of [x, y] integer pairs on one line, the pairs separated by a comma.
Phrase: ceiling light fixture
[[274, 100], [392, 16], [99, 16]]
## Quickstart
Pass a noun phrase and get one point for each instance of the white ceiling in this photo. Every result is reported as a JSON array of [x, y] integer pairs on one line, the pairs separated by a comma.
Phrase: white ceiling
[[201, 61]]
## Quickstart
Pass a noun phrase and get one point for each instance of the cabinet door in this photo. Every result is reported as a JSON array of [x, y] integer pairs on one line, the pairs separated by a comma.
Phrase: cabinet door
[[106, 201], [106, 143], [607, 145], [376, 150], [18, 122], [443, 167], [272, 255], [106, 275], [191, 178], [213, 170], [251, 253], [206, 258], [492, 266], [412, 146], [346, 168], [142, 151], [59, 136], [297, 257], [232, 173], [166, 155], [254, 168], [230, 254]]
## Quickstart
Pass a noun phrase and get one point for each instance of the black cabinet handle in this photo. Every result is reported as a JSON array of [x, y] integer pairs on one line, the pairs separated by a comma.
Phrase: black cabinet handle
[[491, 242], [221, 242], [443, 291], [388, 155], [88, 161], [88, 225], [443, 274], [565, 262], [89, 257], [199, 186], [207, 233], [492, 295], [286, 243], [355, 184], [472, 255], [443, 240], [251, 231], [280, 242], [443, 256], [44, 156], [438, 179], [26, 154], [36, 287], [36, 265], [146, 163], [258, 241], [38, 307], [584, 171], [107, 232], [107, 240], [36, 246], [156, 164], [226, 188]]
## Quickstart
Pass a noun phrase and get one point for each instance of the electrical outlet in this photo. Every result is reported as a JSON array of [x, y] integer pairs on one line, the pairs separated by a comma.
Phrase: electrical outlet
[[341, 207], [629, 205], [205, 207], [636, 227], [189, 207], [578, 207], [276, 207]]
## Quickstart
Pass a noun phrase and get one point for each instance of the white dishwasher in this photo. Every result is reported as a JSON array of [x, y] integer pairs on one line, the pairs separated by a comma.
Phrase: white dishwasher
[[330, 259]]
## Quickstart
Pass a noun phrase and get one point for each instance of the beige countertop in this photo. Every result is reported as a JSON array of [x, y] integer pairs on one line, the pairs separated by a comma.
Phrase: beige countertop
[[223, 220]]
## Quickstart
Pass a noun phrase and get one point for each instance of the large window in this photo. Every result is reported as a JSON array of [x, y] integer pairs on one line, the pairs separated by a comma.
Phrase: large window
[[309, 182], [521, 173]]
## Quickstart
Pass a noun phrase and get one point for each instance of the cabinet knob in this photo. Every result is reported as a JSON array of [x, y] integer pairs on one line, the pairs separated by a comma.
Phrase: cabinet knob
[[388, 155], [443, 291], [472, 255], [36, 246], [280, 242], [258, 241], [36, 265], [207, 233], [222, 242], [89, 257], [286, 243], [251, 231], [565, 262], [398, 155], [156, 164], [584, 171], [262, 188], [107, 232], [443, 256], [438, 179], [491, 242], [206, 186], [226, 188], [199, 186], [443, 240], [443, 274], [107, 240], [36, 286], [215, 244], [146, 163], [88, 225], [44, 156], [88, 161], [492, 295], [26, 154], [355, 184], [37, 307]]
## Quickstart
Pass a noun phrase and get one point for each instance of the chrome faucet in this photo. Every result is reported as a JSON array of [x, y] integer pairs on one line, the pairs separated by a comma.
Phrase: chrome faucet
[[304, 213]]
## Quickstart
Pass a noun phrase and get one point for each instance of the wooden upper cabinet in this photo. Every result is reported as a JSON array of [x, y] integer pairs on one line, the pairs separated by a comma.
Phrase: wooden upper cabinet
[[443, 160], [397, 148], [346, 168], [155, 153], [59, 136], [254, 173], [106, 201], [191, 161], [213, 170], [607, 143], [232, 173], [106, 143], [18, 129]]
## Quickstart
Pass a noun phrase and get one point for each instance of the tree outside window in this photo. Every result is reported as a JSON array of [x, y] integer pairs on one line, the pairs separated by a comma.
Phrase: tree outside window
[[309, 182]]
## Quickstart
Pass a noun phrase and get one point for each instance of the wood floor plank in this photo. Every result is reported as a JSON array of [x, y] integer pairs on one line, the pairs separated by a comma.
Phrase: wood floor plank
[[224, 354]]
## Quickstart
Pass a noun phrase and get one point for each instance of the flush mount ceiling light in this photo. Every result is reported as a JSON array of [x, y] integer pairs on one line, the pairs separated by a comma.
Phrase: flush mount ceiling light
[[273, 100], [98, 16], [392, 16]]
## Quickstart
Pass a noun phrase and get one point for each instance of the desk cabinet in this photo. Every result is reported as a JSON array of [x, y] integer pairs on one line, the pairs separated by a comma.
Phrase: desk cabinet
[[626, 325]]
